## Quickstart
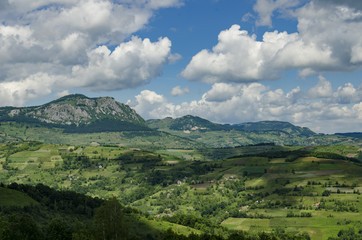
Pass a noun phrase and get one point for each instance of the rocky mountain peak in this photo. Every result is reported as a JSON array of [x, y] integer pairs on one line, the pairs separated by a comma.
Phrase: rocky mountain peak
[[77, 109]]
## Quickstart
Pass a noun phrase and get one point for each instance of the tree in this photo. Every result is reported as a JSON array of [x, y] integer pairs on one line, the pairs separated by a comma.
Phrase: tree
[[109, 221], [58, 230], [19, 226], [326, 193]]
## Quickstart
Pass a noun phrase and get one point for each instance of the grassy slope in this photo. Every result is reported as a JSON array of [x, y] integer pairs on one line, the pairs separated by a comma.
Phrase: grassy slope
[[164, 138], [130, 181], [217, 135], [152, 140], [234, 138], [42, 214], [322, 224], [9, 197]]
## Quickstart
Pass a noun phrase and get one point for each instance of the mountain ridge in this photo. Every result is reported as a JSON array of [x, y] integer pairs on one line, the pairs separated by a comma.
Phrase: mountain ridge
[[74, 110], [78, 114], [193, 123], [186, 123], [80, 110], [274, 126]]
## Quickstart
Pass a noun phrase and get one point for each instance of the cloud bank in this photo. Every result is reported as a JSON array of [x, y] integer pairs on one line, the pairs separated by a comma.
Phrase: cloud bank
[[319, 108], [327, 41], [53, 46], [70, 44]]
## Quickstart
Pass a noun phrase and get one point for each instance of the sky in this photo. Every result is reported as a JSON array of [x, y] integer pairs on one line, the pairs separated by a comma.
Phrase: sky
[[229, 61]]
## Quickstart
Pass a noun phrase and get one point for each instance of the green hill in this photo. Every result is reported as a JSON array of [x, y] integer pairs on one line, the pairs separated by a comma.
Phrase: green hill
[[352, 134], [263, 188], [77, 119], [218, 135], [69, 215], [274, 126], [186, 123], [12, 131], [13, 198]]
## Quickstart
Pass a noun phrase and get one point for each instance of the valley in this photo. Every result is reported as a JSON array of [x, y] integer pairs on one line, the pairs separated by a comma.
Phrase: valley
[[180, 120], [181, 178], [261, 188]]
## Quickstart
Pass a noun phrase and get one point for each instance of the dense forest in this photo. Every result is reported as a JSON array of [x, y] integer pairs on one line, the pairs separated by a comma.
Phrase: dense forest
[[70, 215]]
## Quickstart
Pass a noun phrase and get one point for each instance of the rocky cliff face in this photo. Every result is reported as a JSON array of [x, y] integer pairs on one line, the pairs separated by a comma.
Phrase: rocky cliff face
[[76, 109]]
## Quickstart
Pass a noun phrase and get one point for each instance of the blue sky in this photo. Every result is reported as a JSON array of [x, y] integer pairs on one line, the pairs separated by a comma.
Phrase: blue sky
[[228, 61]]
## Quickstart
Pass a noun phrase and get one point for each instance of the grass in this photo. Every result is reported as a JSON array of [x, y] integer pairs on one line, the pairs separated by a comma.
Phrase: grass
[[151, 140], [179, 229], [318, 227], [232, 189], [11, 198], [246, 224]]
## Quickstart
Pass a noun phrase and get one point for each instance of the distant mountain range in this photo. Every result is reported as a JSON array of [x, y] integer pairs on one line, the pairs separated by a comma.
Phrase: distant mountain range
[[351, 134], [193, 123], [274, 126], [226, 135], [77, 113]]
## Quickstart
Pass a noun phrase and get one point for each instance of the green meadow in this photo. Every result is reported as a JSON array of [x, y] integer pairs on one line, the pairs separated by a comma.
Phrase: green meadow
[[268, 188]]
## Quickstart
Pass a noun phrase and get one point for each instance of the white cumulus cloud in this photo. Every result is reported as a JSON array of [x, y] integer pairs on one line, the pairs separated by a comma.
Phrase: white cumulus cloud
[[69, 41], [131, 64], [18, 92], [322, 90], [348, 94], [256, 102], [179, 91], [265, 9], [221, 92], [326, 41], [151, 105]]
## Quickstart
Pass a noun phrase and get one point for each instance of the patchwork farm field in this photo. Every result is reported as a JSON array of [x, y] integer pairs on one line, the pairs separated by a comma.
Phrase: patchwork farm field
[[274, 189]]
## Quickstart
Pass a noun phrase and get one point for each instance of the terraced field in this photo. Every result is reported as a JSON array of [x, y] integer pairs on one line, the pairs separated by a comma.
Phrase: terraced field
[[270, 188]]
